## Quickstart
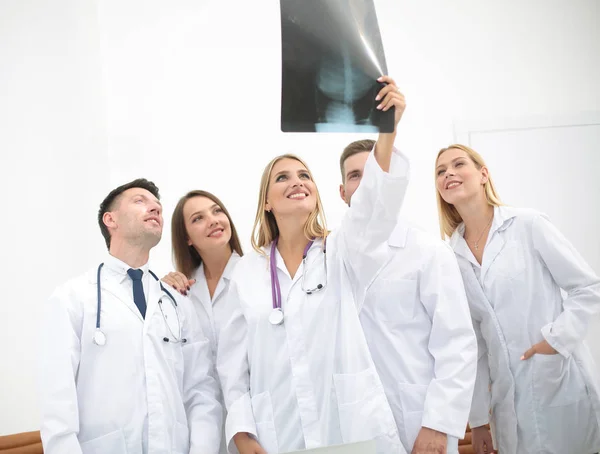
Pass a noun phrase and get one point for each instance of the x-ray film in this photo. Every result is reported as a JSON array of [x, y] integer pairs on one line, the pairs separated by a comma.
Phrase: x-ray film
[[332, 55]]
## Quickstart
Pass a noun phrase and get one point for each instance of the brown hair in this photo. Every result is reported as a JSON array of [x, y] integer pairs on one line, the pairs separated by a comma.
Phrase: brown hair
[[186, 257], [265, 227], [448, 214], [110, 201], [359, 146]]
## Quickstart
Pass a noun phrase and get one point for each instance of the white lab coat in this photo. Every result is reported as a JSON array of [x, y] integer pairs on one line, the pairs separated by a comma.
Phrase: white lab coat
[[417, 324], [311, 381], [212, 314], [136, 394], [549, 403]]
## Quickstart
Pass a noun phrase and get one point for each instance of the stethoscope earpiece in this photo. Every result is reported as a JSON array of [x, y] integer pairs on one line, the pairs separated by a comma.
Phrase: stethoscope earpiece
[[166, 339]]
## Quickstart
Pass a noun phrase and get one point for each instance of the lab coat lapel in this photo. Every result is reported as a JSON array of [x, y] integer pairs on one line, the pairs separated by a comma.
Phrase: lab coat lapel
[[502, 219], [154, 294], [492, 250], [281, 266], [120, 292], [471, 282], [202, 289], [218, 290], [225, 277], [460, 247]]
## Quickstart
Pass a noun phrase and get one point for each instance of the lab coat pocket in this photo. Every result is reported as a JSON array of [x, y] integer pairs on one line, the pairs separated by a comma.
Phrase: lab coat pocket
[[563, 405], [112, 442], [510, 261], [262, 409], [395, 300], [363, 408], [557, 381], [181, 438], [412, 399]]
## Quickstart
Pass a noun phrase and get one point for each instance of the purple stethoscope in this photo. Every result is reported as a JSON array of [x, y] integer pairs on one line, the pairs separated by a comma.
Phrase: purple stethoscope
[[276, 316]]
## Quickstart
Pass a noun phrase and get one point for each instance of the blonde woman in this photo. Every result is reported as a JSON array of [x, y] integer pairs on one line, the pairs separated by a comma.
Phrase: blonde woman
[[293, 362], [536, 384]]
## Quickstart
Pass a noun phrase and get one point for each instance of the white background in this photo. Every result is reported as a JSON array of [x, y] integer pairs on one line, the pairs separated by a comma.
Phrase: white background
[[94, 93]]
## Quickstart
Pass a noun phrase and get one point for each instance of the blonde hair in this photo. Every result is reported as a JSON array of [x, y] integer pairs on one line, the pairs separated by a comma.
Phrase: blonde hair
[[448, 214], [265, 228]]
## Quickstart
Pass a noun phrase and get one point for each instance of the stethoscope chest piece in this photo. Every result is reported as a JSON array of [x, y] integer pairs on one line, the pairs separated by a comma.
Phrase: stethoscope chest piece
[[276, 317], [99, 338]]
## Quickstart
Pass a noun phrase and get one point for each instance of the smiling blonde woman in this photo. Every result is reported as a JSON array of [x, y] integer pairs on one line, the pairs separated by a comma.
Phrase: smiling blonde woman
[[536, 381]]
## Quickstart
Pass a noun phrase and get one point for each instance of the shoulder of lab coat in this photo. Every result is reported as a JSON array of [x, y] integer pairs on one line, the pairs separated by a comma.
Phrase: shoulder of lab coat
[[367, 225], [452, 341], [503, 218], [571, 273], [232, 357], [59, 356], [200, 389]]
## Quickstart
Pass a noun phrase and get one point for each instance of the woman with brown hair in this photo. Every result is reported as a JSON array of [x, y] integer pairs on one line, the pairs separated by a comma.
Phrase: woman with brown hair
[[293, 362], [536, 383], [206, 249]]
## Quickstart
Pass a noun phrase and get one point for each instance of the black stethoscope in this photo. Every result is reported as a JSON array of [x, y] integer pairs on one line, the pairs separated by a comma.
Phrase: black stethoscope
[[276, 315], [100, 337]]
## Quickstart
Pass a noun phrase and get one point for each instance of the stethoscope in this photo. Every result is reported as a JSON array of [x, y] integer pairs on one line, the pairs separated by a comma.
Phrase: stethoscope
[[276, 316], [100, 337]]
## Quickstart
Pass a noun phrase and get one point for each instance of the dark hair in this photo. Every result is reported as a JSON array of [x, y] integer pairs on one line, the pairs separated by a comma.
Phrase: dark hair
[[186, 257], [112, 198], [359, 146]]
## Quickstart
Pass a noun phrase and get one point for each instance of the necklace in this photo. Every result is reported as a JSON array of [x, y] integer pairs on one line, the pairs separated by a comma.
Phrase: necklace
[[481, 234]]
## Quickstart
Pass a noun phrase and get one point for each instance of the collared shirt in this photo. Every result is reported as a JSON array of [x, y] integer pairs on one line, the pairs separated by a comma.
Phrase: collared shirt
[[117, 270]]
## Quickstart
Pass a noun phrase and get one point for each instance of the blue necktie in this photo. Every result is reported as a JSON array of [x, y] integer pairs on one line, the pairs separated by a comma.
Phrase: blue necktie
[[138, 290]]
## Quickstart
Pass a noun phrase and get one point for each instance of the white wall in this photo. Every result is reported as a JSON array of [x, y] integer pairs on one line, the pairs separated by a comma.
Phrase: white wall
[[187, 93], [53, 169]]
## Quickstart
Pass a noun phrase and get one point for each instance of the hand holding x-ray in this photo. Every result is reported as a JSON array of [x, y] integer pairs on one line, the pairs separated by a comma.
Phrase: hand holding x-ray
[[390, 97]]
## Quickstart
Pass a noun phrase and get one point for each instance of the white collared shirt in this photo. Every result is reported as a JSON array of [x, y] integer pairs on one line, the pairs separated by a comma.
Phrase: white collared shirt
[[116, 269]]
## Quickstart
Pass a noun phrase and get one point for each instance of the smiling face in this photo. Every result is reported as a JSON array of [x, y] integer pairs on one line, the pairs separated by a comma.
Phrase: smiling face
[[136, 218], [291, 190], [207, 226], [458, 178]]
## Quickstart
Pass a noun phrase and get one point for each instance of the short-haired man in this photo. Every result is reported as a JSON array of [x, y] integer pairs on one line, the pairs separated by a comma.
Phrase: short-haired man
[[125, 367], [417, 323]]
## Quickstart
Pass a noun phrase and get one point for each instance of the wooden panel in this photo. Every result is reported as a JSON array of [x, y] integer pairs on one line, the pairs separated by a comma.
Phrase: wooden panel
[[22, 443]]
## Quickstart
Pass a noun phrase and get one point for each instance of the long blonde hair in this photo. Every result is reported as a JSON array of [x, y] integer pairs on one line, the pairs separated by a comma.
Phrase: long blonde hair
[[448, 214], [265, 227]]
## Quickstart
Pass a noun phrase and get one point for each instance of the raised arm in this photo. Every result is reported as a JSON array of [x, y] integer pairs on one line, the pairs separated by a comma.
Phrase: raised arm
[[60, 352], [376, 203]]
